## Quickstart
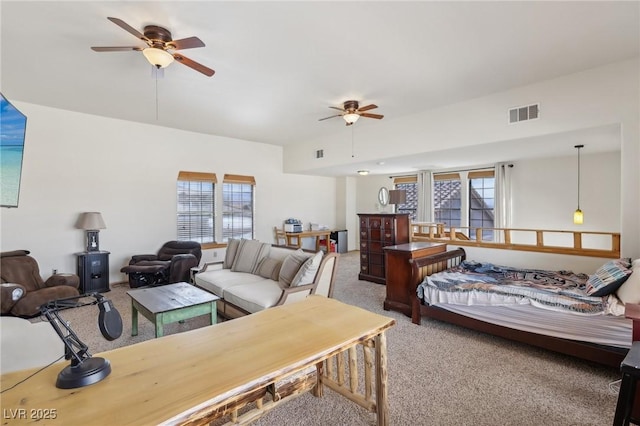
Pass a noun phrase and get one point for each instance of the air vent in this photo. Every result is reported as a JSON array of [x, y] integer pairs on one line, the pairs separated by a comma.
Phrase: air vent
[[320, 153], [524, 113]]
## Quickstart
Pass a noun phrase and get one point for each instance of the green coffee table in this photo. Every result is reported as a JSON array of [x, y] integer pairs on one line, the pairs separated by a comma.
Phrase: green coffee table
[[170, 303]]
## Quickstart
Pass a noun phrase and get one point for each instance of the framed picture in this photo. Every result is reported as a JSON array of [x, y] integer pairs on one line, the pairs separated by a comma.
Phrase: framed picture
[[13, 124]]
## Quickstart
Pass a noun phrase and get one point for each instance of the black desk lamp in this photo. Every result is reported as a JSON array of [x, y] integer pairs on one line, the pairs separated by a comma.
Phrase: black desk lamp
[[84, 370]]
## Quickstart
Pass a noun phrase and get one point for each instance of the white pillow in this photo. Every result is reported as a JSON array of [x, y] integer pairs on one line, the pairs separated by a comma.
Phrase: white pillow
[[307, 272], [290, 266], [230, 255], [629, 291], [249, 255]]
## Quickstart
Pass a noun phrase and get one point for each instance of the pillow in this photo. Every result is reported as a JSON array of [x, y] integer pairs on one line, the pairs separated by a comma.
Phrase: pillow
[[249, 255], [290, 266], [307, 272], [629, 291], [609, 277], [269, 268], [230, 255]]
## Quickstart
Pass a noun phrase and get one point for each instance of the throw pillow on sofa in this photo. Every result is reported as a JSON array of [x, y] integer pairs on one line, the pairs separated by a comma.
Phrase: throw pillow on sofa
[[269, 268], [249, 255], [307, 272], [290, 266], [230, 255]]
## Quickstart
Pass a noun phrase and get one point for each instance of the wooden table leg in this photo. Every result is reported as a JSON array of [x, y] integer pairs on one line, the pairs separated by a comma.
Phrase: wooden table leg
[[158, 322], [134, 319], [214, 312], [382, 403]]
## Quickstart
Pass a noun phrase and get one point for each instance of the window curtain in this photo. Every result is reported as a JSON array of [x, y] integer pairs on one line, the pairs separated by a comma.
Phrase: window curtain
[[502, 218], [425, 196]]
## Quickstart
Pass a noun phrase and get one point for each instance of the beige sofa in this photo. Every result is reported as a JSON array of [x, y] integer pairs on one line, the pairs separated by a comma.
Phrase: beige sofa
[[255, 276]]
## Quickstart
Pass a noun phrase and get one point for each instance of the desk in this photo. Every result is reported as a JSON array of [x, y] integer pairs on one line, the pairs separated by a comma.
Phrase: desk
[[193, 377], [318, 235]]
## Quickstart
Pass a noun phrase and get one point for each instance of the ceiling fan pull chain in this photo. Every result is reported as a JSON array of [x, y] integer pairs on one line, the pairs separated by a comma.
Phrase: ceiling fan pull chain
[[352, 144], [156, 97]]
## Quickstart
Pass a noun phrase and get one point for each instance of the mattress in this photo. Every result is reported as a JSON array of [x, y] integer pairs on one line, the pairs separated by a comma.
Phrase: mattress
[[608, 330]]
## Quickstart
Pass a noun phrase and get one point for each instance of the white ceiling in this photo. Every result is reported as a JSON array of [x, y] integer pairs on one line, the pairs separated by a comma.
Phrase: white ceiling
[[279, 65]]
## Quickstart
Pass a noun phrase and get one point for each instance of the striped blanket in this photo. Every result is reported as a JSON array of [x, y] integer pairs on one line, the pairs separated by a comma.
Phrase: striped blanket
[[485, 283]]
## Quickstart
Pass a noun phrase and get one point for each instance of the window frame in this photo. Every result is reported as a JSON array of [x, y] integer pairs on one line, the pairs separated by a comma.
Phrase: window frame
[[197, 177], [230, 179]]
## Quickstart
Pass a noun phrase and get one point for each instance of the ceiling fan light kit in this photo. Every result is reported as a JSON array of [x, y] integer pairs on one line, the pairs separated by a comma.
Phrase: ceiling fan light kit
[[351, 112], [157, 57], [351, 118]]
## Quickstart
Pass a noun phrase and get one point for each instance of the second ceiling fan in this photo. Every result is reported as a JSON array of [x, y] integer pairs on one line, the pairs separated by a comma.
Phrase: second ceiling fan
[[159, 43], [351, 112]]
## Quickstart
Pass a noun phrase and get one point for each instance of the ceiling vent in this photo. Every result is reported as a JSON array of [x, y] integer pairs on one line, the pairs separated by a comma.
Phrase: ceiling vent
[[524, 113], [320, 153]]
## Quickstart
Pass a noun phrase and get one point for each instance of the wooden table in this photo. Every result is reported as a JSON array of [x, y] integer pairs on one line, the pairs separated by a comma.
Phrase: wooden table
[[192, 377], [170, 303], [318, 235]]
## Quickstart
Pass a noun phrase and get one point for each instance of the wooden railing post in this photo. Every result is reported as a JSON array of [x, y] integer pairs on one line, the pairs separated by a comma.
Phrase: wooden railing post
[[577, 240]]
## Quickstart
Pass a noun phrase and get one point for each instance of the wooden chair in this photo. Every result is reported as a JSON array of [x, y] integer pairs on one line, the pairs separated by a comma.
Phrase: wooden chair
[[280, 236]]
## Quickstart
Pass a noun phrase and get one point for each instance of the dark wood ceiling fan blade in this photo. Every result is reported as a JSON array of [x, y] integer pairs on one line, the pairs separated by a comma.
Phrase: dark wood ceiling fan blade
[[368, 115], [367, 108], [186, 43], [332, 116], [193, 64], [339, 109], [114, 49], [128, 28]]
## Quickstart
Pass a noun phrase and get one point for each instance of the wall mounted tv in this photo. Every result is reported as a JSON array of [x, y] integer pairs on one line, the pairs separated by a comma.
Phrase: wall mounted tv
[[12, 130]]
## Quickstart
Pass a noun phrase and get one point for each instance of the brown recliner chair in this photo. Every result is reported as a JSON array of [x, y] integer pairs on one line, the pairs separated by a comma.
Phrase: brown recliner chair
[[23, 290], [172, 264]]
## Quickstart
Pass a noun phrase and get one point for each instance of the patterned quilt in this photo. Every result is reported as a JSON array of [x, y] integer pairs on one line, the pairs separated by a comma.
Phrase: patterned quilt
[[556, 290]]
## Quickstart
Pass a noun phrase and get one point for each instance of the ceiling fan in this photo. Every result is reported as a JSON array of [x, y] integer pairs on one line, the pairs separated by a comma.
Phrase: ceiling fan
[[159, 47], [351, 111]]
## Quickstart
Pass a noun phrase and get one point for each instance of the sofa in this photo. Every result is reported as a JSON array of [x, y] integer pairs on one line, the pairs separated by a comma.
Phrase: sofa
[[255, 276]]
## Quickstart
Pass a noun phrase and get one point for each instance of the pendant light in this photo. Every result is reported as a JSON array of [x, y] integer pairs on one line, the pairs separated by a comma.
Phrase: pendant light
[[578, 217]]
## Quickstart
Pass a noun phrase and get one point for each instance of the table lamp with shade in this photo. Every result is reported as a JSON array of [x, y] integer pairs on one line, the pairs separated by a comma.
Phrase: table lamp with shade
[[92, 222]]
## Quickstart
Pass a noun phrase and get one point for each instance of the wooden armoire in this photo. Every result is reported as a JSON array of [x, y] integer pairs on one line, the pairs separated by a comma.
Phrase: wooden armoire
[[378, 230]]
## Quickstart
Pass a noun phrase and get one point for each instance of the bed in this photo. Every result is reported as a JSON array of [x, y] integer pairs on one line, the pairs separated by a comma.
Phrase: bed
[[556, 310]]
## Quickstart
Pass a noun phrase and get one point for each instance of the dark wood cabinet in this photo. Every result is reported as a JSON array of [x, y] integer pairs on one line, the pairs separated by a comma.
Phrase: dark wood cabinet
[[93, 270], [379, 230], [398, 270]]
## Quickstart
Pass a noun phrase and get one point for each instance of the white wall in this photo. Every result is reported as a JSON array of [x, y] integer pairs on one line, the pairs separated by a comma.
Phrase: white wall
[[544, 197], [596, 97], [77, 162]]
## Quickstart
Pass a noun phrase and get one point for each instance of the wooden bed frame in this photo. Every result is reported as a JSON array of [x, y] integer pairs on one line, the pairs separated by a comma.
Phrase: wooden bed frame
[[424, 266]]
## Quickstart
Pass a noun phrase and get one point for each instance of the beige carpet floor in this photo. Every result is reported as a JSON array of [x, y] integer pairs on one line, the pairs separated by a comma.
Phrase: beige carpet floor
[[439, 374]]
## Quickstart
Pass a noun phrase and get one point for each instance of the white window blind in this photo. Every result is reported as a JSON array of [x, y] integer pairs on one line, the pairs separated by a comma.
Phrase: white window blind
[[238, 207], [196, 206]]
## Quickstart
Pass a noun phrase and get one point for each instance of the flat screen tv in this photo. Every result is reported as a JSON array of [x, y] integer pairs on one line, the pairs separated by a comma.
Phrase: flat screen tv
[[12, 130]]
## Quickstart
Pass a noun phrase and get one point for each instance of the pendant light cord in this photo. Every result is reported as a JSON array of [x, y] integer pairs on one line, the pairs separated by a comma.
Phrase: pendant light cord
[[578, 147]]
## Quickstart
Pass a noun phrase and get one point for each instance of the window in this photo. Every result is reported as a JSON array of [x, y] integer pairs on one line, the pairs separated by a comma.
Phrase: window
[[196, 207], [447, 199], [409, 184], [482, 202], [237, 207], [465, 199]]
